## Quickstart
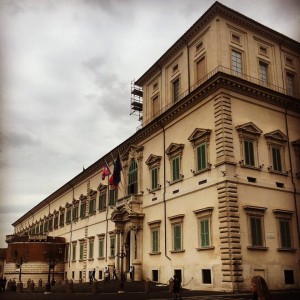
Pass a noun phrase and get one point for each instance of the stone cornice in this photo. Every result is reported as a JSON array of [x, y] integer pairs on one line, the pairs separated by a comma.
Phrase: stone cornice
[[217, 81], [217, 9]]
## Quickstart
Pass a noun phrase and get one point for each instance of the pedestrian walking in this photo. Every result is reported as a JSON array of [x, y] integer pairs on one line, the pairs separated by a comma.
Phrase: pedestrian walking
[[176, 287], [106, 276], [131, 272], [115, 273], [260, 288]]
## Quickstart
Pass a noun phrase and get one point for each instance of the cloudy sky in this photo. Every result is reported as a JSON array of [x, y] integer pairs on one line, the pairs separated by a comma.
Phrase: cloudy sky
[[66, 68]]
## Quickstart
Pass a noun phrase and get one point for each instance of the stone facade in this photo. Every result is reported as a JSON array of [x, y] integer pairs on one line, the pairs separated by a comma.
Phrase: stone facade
[[210, 181]]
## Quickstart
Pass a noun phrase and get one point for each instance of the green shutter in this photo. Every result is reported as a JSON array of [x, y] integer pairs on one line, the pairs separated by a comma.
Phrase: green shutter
[[177, 236], [154, 178], [249, 153], [155, 240], [256, 231], [204, 231], [176, 168], [201, 157], [285, 234]]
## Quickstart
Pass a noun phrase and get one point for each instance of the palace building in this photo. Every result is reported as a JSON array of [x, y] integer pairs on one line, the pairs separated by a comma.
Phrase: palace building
[[210, 182]]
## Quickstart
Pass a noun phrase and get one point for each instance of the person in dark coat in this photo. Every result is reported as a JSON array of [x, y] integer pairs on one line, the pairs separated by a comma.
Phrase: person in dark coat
[[176, 287]]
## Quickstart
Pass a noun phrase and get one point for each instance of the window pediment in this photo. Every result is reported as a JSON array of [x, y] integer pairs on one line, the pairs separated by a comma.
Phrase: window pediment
[[133, 152], [75, 201], [296, 144], [82, 197], [101, 187], [153, 160], [199, 135], [276, 136], [174, 149], [92, 192], [248, 129]]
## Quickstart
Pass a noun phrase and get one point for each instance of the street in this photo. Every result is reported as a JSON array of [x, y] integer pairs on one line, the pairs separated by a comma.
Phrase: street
[[187, 295]]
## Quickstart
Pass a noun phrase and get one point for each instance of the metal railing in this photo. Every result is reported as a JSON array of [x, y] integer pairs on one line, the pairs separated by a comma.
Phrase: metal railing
[[224, 70]]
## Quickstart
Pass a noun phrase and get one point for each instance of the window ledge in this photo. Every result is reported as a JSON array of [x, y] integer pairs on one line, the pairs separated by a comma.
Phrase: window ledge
[[202, 171], [111, 257], [176, 181], [90, 259], [286, 249], [154, 253], [82, 217], [205, 248], [75, 220], [177, 251], [101, 210], [81, 260], [257, 248], [251, 167], [73, 260], [101, 258], [92, 213], [278, 172]]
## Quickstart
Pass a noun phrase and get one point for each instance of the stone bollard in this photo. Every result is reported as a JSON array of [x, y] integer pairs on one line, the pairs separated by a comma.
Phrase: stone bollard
[[147, 285], [171, 284], [95, 287], [69, 287], [31, 287], [19, 287]]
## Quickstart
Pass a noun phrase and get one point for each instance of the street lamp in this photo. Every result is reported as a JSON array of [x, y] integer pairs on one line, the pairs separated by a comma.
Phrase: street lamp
[[19, 261], [121, 255], [52, 262]]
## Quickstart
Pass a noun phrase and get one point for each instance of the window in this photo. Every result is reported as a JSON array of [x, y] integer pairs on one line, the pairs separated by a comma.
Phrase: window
[[204, 216], [175, 151], [206, 276], [68, 215], [82, 209], [201, 157], [154, 178], [200, 139], [81, 248], [102, 201], [249, 135], [284, 223], [276, 158], [155, 275], [133, 178], [235, 38], [263, 73], [177, 239], [155, 236], [289, 277], [176, 168], [56, 220], [112, 246], [41, 227], [50, 223], [236, 63], [75, 212], [276, 141], [290, 84], [176, 90], [92, 206], [101, 247], [256, 226], [155, 240], [46, 225], [296, 146], [256, 230], [62, 218], [91, 249], [177, 226], [153, 163], [201, 70], [73, 251], [155, 106], [112, 196]]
